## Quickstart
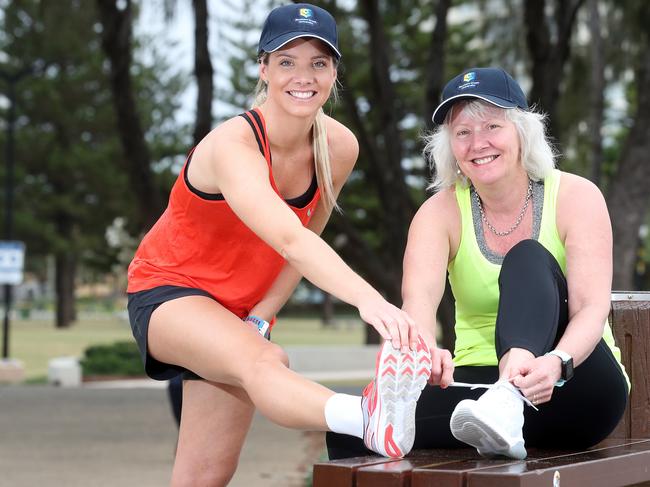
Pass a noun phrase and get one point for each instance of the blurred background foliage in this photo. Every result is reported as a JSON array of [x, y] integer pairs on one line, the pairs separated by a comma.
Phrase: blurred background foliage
[[99, 142]]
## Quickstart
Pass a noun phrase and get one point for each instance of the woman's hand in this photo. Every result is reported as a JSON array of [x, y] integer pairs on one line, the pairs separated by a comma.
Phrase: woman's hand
[[442, 365], [536, 378], [392, 323]]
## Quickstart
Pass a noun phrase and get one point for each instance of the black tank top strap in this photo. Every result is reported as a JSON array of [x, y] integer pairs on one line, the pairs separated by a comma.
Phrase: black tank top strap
[[256, 115], [259, 131]]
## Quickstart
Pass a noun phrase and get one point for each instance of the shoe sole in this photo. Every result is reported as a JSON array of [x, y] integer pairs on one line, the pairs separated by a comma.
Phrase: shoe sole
[[468, 426], [400, 378]]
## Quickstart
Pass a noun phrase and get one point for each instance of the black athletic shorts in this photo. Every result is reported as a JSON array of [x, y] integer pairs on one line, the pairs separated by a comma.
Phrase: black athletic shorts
[[141, 305]]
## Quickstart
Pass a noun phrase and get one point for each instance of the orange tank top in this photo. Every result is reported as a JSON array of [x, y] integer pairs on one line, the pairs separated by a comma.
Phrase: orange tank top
[[201, 243]]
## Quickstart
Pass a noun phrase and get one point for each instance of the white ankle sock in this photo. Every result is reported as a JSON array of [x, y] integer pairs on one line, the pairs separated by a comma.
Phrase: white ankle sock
[[343, 415]]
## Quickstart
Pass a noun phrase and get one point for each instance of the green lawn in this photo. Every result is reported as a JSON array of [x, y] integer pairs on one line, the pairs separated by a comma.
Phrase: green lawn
[[36, 342], [310, 331]]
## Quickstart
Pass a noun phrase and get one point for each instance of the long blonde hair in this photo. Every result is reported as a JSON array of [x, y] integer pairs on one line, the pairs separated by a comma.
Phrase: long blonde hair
[[320, 144]]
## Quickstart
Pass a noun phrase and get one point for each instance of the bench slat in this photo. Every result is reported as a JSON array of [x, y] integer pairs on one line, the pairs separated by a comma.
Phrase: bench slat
[[454, 474], [342, 472], [606, 467], [398, 473], [391, 474]]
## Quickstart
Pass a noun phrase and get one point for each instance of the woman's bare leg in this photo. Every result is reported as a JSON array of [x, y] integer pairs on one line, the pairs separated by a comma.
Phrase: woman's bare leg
[[200, 334], [214, 424]]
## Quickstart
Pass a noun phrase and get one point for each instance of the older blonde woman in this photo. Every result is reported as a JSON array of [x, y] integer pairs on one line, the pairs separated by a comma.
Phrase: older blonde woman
[[528, 250]]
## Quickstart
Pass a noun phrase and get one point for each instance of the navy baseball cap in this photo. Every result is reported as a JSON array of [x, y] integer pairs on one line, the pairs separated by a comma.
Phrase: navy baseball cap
[[289, 22], [493, 85]]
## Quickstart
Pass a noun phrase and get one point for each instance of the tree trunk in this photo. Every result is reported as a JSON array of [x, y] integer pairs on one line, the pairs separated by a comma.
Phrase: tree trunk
[[116, 43], [549, 53], [202, 70], [327, 309], [629, 196], [597, 92], [435, 70], [66, 264]]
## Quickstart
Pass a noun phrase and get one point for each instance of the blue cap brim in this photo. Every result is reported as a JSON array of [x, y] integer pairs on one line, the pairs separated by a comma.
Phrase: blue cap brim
[[441, 112], [282, 40]]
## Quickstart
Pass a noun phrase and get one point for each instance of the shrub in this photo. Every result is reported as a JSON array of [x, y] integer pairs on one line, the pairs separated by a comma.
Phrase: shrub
[[119, 358]]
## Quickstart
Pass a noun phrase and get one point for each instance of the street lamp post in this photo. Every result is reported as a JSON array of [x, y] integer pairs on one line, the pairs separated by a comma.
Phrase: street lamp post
[[9, 201], [11, 80]]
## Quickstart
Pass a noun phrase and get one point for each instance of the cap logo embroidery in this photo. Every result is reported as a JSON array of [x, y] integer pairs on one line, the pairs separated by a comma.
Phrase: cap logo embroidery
[[306, 16], [469, 81]]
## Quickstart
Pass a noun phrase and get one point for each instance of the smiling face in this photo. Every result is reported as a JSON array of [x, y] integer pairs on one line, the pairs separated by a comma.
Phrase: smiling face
[[300, 76], [484, 142]]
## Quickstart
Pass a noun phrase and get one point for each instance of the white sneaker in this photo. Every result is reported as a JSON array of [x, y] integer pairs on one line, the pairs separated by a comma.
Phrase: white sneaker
[[388, 402], [493, 423]]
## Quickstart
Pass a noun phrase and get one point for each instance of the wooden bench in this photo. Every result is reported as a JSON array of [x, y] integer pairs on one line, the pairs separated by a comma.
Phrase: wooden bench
[[623, 459]]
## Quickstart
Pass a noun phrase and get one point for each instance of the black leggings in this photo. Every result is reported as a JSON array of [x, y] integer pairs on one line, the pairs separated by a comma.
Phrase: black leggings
[[532, 314]]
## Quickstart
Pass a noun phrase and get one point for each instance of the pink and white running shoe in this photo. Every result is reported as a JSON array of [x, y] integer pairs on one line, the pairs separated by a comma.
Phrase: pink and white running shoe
[[388, 402]]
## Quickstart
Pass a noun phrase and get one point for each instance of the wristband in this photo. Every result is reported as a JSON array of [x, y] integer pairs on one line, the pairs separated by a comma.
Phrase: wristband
[[263, 326]]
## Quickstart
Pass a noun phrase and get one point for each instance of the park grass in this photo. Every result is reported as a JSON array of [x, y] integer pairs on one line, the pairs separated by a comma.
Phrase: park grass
[[289, 331], [36, 342]]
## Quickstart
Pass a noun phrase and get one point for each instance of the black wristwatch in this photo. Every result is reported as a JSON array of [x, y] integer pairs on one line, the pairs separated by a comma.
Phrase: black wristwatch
[[567, 366]]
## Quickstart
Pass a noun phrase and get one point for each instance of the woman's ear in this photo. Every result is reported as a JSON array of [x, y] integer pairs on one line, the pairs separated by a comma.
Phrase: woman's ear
[[263, 72]]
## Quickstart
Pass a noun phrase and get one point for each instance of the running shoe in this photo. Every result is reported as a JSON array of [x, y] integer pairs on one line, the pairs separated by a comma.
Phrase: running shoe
[[388, 402], [493, 423]]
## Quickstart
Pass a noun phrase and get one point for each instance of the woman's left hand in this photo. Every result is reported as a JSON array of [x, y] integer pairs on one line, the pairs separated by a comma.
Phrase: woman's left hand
[[537, 377], [442, 367]]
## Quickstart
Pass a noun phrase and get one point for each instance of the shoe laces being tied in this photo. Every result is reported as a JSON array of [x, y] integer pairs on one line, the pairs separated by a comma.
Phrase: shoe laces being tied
[[505, 400]]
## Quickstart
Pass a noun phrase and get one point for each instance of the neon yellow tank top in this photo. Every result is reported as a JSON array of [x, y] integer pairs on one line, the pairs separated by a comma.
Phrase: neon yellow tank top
[[474, 281]]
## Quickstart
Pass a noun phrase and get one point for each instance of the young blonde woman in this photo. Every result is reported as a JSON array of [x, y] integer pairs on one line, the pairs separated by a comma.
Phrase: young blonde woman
[[240, 230]]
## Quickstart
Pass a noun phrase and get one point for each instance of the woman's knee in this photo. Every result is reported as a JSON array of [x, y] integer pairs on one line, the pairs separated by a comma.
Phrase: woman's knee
[[273, 354], [525, 253], [266, 360]]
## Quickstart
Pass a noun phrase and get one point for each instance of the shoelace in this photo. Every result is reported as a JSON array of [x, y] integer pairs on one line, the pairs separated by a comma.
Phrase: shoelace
[[491, 386]]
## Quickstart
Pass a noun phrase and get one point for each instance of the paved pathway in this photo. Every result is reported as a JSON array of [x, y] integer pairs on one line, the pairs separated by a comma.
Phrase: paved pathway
[[123, 434], [122, 437]]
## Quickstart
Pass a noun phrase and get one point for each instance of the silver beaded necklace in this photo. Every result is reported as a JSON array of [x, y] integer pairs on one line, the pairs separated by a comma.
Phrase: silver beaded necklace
[[519, 219]]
